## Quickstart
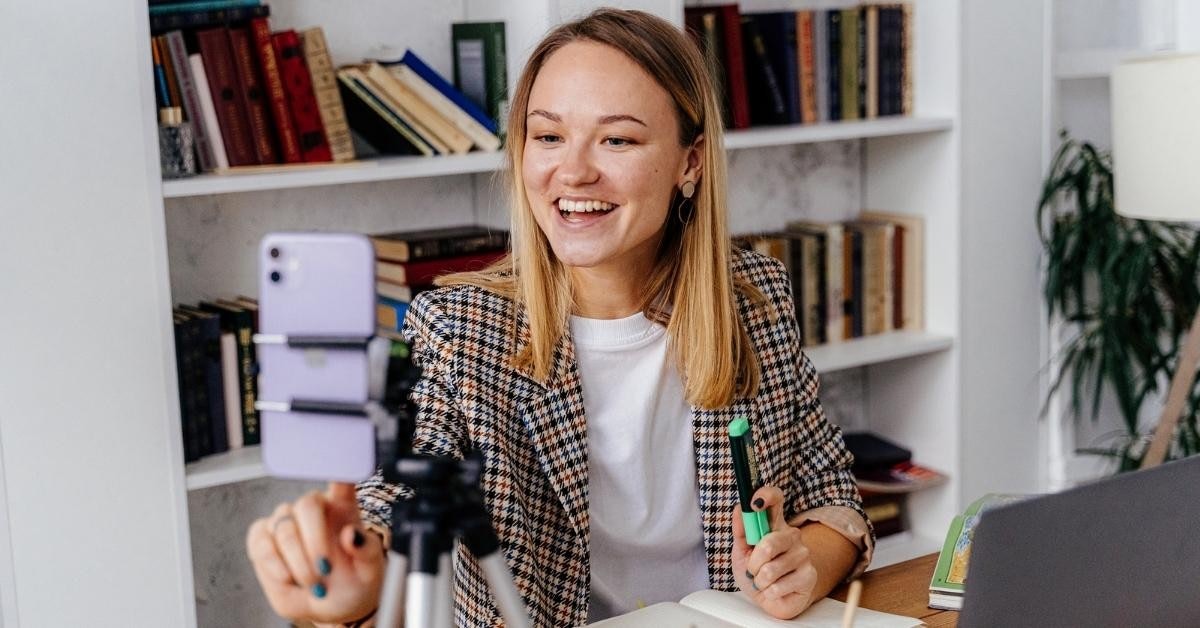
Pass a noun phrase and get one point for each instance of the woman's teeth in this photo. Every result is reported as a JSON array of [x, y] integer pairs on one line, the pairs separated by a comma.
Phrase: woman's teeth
[[565, 205]]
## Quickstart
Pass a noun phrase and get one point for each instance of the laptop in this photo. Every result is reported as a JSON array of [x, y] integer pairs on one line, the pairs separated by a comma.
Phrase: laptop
[[1124, 551]]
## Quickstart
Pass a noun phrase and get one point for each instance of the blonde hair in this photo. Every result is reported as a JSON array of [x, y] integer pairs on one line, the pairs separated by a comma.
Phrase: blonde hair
[[691, 289]]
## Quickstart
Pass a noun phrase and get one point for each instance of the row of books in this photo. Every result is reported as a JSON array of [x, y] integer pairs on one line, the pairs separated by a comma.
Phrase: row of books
[[408, 262], [851, 279], [217, 375], [803, 67], [257, 97]]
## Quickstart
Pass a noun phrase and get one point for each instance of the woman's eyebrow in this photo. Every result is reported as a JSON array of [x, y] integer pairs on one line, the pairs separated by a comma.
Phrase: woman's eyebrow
[[609, 119]]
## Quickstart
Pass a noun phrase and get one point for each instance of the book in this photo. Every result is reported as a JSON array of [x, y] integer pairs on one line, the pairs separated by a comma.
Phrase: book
[[302, 101], [948, 584], [433, 125], [200, 5], [208, 113], [480, 136], [375, 121], [912, 272], [833, 277], [721, 609], [240, 322], [389, 313], [847, 61], [205, 18], [231, 390], [781, 40], [870, 16], [254, 97], [820, 43], [424, 272], [735, 65], [325, 89], [418, 66], [423, 244], [481, 66], [764, 88], [806, 60], [226, 92], [281, 116]]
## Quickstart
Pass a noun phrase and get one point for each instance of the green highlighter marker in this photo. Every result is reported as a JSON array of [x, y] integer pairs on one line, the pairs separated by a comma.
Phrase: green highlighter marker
[[745, 470]]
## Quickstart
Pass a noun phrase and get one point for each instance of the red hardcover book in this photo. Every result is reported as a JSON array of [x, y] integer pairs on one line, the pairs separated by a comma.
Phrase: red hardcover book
[[424, 272], [226, 90], [735, 67], [302, 101], [281, 116], [253, 96]]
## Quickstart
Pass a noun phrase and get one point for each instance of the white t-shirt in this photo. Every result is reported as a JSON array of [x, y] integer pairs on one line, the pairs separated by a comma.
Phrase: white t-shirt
[[647, 543]]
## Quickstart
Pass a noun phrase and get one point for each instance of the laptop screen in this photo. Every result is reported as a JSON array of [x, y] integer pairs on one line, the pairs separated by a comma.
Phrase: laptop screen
[[1124, 551]]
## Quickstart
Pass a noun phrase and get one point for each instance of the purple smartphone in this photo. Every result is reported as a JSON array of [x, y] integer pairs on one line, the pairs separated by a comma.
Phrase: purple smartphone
[[315, 284]]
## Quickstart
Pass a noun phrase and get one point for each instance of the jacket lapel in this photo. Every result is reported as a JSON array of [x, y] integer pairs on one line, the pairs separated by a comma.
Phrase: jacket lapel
[[557, 426]]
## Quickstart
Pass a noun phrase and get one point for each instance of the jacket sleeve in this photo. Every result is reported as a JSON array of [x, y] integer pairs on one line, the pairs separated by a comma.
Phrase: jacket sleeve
[[439, 424]]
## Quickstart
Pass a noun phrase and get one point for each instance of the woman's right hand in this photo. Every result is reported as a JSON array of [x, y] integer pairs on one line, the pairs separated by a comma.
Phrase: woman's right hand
[[314, 560]]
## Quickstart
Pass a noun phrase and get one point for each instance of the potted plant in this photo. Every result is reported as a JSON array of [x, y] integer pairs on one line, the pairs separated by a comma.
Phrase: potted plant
[[1125, 289]]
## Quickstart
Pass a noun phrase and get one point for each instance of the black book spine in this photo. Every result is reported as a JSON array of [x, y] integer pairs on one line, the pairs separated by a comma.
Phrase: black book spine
[[834, 74], [856, 302]]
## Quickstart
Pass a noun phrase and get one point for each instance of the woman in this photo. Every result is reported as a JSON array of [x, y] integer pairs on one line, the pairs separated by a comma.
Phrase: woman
[[598, 367]]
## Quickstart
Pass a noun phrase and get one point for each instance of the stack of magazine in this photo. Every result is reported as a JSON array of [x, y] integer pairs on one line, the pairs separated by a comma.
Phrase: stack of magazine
[[948, 584]]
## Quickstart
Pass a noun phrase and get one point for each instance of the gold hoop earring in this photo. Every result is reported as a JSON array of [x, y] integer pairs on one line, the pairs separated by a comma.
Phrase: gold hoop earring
[[688, 189]]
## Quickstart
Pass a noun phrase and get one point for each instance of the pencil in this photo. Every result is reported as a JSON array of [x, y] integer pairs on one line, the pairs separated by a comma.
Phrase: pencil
[[851, 603]]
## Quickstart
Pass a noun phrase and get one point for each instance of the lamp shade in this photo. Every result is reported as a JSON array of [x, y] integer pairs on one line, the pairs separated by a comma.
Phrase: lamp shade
[[1156, 137]]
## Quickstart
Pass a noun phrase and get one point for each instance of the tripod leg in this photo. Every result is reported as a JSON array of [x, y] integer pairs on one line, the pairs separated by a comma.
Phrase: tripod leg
[[445, 592], [508, 600], [392, 603]]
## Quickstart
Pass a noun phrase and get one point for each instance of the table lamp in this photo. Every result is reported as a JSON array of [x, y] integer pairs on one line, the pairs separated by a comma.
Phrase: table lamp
[[1156, 176]]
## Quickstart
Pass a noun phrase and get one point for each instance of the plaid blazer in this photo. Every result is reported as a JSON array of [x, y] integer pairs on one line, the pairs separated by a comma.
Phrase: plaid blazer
[[533, 439]]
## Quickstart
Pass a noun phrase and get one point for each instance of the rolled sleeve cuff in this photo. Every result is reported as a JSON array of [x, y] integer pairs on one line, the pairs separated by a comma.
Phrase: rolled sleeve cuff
[[848, 523]]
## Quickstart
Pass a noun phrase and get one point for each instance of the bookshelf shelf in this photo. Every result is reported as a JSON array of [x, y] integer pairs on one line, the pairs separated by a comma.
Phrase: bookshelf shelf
[[1091, 63], [875, 349], [259, 178], [833, 131], [238, 465]]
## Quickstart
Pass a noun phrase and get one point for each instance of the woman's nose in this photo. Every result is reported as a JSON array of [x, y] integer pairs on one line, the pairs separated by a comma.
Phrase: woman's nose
[[577, 166]]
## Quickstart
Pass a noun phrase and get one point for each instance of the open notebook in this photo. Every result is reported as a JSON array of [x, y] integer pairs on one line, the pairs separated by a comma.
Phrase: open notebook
[[718, 609]]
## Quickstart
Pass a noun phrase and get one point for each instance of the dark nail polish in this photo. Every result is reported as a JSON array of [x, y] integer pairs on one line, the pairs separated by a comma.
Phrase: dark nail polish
[[318, 590], [359, 539], [758, 503], [753, 586], [749, 575], [323, 566]]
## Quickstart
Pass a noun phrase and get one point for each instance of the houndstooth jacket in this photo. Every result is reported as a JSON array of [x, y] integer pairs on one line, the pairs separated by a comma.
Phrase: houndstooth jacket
[[533, 439]]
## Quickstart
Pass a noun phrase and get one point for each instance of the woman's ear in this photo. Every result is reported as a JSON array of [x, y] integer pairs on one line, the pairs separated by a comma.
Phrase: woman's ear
[[695, 161]]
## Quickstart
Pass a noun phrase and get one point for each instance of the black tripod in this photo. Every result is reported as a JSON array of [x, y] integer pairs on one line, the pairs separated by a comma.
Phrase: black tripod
[[446, 505]]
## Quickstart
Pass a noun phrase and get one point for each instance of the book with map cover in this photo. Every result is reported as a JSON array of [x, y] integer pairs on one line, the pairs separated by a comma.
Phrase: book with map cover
[[948, 584]]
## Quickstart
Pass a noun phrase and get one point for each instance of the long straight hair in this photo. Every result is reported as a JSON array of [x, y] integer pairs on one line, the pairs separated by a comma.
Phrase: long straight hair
[[691, 289]]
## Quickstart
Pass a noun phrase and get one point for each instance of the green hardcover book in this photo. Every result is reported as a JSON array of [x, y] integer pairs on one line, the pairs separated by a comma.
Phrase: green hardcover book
[[481, 66], [949, 580], [848, 68]]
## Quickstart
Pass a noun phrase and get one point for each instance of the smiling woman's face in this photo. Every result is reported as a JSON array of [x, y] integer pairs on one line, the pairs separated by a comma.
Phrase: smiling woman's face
[[602, 158]]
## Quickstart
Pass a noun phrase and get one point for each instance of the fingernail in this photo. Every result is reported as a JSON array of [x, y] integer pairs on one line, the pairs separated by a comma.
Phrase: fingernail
[[749, 575], [753, 586], [318, 590], [323, 566], [758, 503], [359, 539]]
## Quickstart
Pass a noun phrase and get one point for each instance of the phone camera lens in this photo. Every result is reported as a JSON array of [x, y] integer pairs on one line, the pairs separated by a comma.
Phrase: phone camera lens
[[275, 276], [274, 253]]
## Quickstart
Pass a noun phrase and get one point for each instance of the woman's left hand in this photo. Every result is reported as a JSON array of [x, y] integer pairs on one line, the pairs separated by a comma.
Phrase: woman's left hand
[[778, 573]]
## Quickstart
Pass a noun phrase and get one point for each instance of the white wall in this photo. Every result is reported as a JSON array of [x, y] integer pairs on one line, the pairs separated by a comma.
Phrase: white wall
[[1002, 119], [96, 514]]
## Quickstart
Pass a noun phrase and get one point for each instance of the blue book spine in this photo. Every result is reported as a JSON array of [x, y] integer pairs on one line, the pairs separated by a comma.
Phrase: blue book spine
[[449, 91], [202, 5], [399, 307]]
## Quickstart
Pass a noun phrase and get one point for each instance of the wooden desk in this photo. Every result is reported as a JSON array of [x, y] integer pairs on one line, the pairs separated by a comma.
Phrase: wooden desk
[[902, 589]]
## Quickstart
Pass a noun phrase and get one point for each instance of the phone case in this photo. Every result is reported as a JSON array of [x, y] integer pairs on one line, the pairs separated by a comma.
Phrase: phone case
[[316, 284]]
